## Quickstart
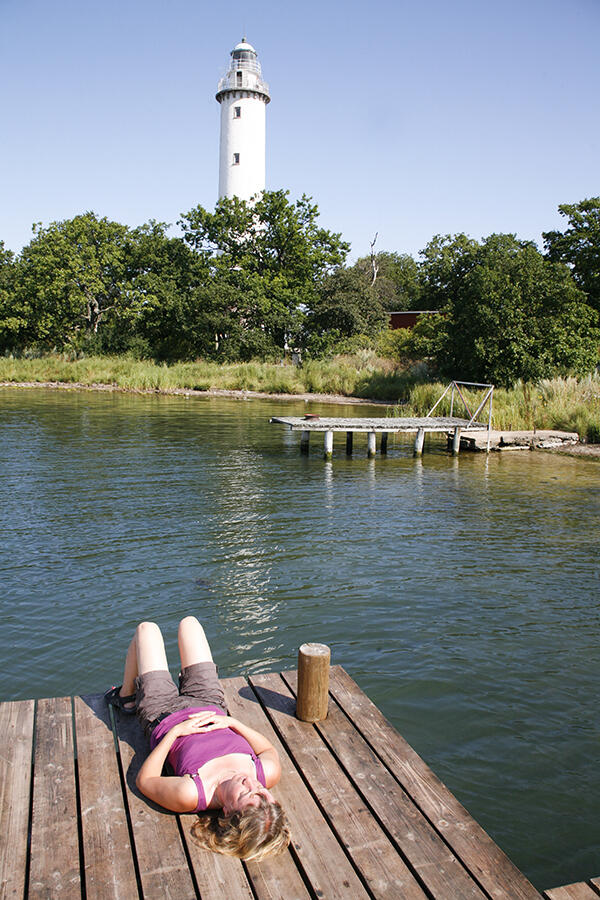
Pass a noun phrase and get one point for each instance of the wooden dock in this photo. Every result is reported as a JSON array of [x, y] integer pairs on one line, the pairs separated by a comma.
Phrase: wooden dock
[[369, 819], [372, 427]]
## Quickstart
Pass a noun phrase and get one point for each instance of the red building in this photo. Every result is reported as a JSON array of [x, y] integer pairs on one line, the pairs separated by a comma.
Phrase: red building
[[407, 318]]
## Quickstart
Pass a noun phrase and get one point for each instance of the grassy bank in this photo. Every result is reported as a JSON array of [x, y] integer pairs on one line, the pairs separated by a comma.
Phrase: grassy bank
[[362, 375], [568, 404]]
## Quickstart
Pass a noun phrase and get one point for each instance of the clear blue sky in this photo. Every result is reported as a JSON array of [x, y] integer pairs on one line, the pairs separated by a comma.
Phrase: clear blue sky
[[409, 119]]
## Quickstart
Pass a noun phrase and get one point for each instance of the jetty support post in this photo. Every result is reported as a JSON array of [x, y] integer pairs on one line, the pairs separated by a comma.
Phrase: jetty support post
[[419, 440], [371, 444], [328, 445], [349, 439], [456, 441], [384, 442], [313, 682], [304, 442]]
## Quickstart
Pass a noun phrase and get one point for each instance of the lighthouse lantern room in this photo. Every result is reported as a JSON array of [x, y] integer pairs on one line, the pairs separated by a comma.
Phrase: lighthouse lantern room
[[243, 96]]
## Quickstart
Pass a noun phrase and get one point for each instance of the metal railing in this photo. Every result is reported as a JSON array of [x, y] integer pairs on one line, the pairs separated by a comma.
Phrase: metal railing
[[249, 81], [488, 398]]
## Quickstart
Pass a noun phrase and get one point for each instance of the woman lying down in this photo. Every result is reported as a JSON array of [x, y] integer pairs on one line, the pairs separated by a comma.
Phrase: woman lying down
[[219, 763]]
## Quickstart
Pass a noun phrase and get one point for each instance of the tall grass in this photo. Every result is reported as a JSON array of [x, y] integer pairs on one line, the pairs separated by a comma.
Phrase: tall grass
[[565, 404], [343, 375], [568, 404]]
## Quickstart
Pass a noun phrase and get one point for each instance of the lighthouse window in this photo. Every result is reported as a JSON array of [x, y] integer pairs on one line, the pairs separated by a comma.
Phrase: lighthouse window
[[237, 112], [239, 77], [236, 159]]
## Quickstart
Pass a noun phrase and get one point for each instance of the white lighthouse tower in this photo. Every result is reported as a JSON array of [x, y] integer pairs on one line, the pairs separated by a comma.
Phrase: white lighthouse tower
[[243, 96]]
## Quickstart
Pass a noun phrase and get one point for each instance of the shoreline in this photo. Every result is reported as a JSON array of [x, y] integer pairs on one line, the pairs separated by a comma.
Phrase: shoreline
[[192, 392], [580, 450]]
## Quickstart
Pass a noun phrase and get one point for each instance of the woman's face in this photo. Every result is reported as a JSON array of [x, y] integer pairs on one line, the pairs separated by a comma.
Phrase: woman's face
[[242, 791]]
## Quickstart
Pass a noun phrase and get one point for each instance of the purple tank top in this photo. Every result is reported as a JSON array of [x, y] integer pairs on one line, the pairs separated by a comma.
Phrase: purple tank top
[[191, 751]]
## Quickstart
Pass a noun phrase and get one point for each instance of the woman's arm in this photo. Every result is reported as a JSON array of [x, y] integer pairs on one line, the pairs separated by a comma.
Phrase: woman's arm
[[177, 793]]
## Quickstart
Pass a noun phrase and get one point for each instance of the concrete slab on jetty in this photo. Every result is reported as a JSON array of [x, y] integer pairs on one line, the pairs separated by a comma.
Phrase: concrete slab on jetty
[[477, 439]]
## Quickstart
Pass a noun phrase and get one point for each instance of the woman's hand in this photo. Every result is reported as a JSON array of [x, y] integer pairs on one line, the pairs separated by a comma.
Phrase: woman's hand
[[201, 722]]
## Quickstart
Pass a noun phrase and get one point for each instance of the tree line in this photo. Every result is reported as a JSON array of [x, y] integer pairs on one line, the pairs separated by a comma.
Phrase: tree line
[[248, 281]]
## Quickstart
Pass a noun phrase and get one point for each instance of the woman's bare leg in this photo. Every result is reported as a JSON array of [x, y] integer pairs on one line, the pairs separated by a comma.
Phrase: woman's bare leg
[[146, 653], [151, 655], [193, 645], [131, 669]]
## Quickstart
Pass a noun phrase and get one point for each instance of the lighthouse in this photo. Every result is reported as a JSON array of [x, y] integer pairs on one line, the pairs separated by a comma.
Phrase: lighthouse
[[243, 96]]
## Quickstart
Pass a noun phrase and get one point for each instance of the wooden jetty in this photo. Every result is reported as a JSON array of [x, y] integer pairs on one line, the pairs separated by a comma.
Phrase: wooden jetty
[[369, 819], [372, 427]]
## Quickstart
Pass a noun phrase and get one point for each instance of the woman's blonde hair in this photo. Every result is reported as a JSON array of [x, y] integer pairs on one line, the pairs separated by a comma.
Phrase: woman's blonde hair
[[253, 833]]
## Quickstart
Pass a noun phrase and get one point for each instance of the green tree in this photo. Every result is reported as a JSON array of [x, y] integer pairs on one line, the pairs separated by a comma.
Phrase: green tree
[[168, 280], [579, 246], [344, 306], [509, 313], [270, 237], [444, 261], [10, 323], [267, 260], [397, 284], [71, 278]]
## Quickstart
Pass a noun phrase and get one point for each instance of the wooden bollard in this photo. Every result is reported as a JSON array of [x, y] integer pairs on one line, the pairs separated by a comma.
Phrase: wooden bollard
[[313, 682]]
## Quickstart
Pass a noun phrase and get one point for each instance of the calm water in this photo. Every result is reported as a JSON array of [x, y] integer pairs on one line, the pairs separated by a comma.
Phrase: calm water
[[462, 595]]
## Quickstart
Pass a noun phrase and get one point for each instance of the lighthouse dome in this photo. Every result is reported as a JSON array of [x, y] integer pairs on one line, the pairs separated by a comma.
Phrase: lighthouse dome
[[243, 50]]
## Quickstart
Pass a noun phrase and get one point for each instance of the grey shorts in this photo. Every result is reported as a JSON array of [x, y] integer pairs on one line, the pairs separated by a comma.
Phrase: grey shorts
[[157, 694]]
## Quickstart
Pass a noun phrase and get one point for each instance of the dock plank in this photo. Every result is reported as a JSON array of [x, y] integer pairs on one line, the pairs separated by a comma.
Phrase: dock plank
[[16, 740], [108, 854], [492, 869], [420, 844], [55, 864], [315, 847], [163, 866], [384, 871], [579, 891], [217, 876]]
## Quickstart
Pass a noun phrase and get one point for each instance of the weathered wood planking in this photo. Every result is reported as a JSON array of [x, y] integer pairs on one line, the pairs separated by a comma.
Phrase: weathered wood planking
[[413, 836], [368, 817], [579, 891], [16, 740], [55, 863], [386, 425], [108, 860], [380, 865]]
